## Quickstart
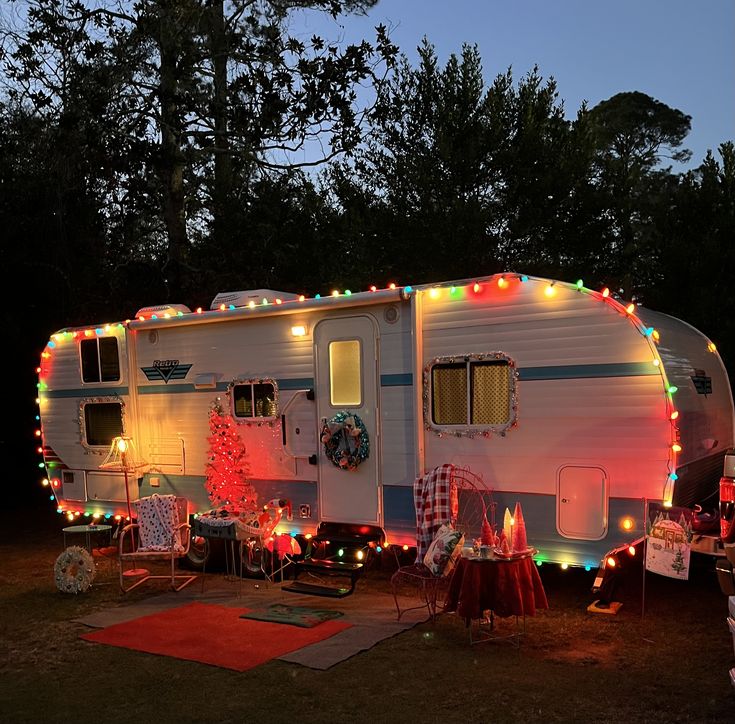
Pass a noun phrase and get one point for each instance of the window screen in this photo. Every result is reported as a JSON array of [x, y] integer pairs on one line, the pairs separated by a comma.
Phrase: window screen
[[102, 422], [254, 399], [345, 373], [471, 393]]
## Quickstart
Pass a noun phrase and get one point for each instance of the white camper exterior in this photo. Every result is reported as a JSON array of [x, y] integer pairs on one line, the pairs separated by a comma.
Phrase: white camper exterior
[[560, 397]]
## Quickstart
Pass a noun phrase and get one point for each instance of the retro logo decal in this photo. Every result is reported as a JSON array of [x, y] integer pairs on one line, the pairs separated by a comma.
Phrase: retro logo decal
[[166, 369]]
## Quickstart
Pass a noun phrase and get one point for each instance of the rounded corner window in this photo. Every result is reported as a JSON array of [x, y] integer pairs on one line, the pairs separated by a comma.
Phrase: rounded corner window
[[472, 394], [254, 399]]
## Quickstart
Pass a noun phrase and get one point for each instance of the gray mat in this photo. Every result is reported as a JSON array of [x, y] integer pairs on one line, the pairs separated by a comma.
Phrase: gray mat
[[372, 615]]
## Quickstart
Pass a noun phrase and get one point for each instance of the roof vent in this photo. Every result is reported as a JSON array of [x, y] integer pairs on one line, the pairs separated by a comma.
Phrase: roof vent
[[250, 298], [162, 311]]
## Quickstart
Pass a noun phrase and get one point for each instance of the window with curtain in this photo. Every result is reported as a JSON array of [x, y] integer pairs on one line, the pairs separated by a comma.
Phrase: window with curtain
[[472, 393]]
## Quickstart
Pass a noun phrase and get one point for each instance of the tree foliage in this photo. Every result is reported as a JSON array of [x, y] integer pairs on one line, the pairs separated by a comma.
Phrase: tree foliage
[[164, 151]]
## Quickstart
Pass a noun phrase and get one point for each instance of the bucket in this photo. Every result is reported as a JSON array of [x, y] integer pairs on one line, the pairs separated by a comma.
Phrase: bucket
[[727, 506]]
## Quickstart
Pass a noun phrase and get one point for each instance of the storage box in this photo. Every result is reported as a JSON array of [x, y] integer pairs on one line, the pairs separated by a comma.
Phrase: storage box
[[226, 532]]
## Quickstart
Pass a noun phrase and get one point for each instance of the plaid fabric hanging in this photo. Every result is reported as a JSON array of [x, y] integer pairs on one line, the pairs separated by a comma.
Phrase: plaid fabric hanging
[[436, 502]]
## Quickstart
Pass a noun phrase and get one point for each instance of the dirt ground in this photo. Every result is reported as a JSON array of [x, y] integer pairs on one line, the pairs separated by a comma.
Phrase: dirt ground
[[665, 659]]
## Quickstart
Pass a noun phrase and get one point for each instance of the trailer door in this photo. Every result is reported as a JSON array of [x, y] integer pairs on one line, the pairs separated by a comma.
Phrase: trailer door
[[346, 382]]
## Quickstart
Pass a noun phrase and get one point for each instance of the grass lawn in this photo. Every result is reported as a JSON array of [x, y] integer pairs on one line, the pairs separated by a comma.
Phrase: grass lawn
[[668, 665]]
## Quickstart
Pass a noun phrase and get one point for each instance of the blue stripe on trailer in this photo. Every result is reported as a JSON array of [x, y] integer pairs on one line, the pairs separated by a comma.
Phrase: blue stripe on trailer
[[396, 380], [85, 392], [568, 372], [526, 374]]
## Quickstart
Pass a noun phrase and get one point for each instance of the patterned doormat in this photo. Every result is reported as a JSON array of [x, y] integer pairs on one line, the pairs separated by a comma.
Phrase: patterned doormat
[[303, 616]]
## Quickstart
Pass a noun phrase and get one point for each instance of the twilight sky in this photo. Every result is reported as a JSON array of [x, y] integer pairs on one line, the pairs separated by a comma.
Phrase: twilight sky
[[680, 52]]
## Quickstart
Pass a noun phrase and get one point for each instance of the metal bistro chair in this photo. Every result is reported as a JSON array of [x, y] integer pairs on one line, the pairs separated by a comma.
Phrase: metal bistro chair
[[161, 533], [474, 502]]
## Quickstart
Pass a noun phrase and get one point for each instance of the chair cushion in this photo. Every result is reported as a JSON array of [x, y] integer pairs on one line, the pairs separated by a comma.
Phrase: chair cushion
[[444, 550], [158, 519]]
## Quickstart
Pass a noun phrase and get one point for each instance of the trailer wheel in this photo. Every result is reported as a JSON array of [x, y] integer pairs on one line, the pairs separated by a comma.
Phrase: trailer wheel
[[198, 554], [254, 558]]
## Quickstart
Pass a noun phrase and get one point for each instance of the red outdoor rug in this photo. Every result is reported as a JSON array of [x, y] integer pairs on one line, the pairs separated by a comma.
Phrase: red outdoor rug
[[212, 634]]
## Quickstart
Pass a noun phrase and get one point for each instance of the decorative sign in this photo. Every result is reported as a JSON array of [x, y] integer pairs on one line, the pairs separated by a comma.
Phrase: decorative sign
[[668, 540], [166, 369]]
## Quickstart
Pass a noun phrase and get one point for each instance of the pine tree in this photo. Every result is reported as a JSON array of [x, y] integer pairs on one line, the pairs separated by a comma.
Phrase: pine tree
[[678, 563], [227, 470]]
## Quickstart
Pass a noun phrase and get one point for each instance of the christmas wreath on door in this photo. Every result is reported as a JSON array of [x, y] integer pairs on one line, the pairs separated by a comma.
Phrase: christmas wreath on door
[[345, 439]]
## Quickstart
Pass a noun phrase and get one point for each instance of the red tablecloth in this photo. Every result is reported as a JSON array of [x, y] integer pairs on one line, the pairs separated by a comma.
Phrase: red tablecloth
[[506, 587]]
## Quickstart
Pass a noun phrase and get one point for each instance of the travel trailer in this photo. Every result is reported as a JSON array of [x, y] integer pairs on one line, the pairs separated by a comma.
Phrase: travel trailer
[[561, 398]]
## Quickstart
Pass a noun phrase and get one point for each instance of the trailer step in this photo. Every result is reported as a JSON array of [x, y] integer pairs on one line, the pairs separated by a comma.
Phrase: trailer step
[[319, 566], [330, 568], [313, 589]]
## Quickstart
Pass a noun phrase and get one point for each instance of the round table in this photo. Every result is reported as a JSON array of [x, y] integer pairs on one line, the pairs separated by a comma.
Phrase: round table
[[87, 531]]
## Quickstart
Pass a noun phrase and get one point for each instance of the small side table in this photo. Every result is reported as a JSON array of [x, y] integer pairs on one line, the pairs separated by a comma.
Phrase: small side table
[[87, 531], [227, 533], [505, 587]]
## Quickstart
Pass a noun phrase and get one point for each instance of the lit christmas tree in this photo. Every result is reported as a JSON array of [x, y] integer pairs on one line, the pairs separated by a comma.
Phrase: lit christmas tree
[[227, 471]]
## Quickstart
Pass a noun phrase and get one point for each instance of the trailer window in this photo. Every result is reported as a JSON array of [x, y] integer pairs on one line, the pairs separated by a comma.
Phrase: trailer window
[[345, 373], [254, 399], [476, 393], [102, 422], [100, 359]]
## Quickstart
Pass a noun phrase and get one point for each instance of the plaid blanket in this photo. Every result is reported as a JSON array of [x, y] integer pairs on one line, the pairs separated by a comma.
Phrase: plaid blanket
[[436, 502]]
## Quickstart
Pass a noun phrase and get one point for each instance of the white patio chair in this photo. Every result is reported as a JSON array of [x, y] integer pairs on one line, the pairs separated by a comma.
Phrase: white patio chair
[[161, 533]]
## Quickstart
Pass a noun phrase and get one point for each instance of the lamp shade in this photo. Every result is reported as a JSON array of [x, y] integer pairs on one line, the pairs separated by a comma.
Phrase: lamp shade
[[122, 455]]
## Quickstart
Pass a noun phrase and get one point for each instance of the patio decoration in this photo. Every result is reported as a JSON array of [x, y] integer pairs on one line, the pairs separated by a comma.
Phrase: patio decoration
[[227, 469], [345, 439], [519, 541], [74, 570]]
